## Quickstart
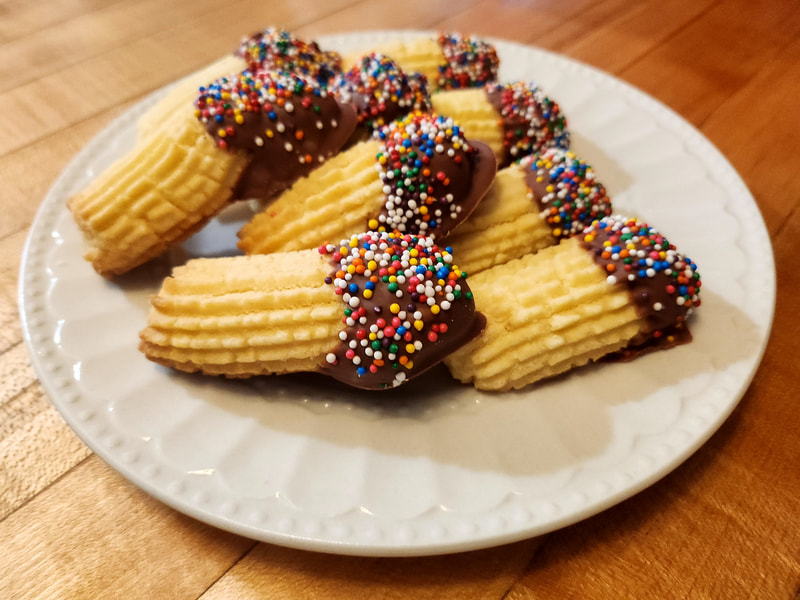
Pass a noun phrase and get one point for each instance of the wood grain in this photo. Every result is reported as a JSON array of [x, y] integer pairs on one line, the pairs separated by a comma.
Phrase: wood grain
[[721, 526], [93, 535]]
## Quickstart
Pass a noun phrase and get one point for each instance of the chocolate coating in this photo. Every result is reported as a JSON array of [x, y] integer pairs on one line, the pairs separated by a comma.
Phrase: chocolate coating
[[467, 62], [531, 121], [275, 49], [406, 307], [286, 124], [565, 190], [380, 92], [433, 177], [664, 285]]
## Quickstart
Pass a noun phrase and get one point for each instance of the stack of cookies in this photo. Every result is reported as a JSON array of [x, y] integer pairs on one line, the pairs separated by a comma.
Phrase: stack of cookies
[[384, 187]]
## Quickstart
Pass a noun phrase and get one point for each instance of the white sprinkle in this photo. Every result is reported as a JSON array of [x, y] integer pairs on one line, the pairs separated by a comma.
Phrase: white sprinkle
[[331, 358]]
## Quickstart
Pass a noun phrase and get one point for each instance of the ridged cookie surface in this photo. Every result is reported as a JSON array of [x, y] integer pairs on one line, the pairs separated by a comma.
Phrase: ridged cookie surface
[[159, 193], [473, 111], [333, 202], [619, 286], [245, 315], [545, 314], [505, 225]]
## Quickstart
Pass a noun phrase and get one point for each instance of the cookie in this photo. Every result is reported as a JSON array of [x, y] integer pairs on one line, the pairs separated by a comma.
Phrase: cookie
[[160, 193], [620, 287], [374, 311], [250, 136]]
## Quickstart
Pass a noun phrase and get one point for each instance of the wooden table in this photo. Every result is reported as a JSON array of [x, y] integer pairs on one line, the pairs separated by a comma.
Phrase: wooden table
[[723, 525]]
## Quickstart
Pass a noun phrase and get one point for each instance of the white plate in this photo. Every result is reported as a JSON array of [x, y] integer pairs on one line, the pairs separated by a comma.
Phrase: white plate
[[435, 466]]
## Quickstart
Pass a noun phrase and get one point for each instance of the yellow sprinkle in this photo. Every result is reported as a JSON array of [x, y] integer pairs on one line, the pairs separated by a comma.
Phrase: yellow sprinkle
[[414, 252], [351, 269], [410, 348], [239, 119], [367, 294], [373, 337], [394, 308], [372, 265], [434, 310], [410, 365], [373, 223], [392, 278], [418, 325], [269, 133], [423, 210], [549, 188]]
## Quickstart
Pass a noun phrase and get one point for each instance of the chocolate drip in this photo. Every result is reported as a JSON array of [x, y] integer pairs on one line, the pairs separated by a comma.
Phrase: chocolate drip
[[531, 121], [392, 333], [287, 126], [663, 285]]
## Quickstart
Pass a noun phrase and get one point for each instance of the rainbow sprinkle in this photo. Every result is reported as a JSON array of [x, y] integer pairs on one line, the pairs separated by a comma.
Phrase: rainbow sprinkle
[[226, 105], [275, 49], [664, 283], [418, 157], [380, 91], [531, 121], [572, 198], [466, 62], [397, 290]]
